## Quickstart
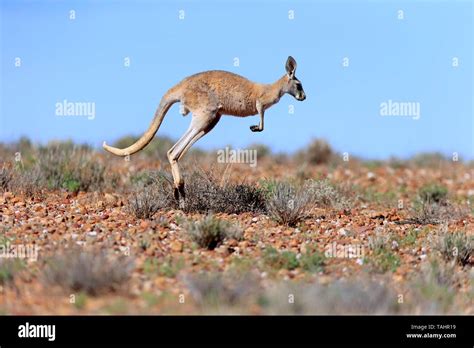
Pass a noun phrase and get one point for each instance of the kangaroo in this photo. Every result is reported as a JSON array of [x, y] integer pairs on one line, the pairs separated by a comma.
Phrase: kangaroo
[[209, 95]]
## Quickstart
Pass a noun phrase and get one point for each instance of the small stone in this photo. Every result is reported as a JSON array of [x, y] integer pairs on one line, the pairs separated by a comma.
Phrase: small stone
[[244, 244], [342, 232], [232, 243], [394, 245], [378, 215], [294, 243], [176, 246], [110, 199], [144, 224], [288, 232]]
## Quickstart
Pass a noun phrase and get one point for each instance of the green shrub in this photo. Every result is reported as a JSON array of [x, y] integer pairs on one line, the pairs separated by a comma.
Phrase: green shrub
[[287, 204], [9, 269], [167, 267], [382, 259], [312, 260], [280, 260], [70, 167], [433, 193], [457, 245], [210, 232]]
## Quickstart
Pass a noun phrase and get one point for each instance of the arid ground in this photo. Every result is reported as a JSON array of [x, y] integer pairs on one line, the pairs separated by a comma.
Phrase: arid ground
[[317, 232]]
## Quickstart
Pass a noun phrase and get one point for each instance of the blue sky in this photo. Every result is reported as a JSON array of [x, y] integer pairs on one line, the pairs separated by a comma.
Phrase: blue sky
[[402, 60]]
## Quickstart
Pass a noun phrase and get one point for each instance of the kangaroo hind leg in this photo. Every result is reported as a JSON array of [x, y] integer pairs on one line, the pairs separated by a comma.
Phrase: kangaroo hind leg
[[200, 125]]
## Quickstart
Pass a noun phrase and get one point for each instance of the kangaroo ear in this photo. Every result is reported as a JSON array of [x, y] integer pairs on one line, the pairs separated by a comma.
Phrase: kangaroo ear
[[291, 66]]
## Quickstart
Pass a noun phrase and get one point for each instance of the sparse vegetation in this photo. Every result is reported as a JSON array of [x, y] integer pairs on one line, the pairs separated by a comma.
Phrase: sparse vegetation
[[210, 232], [204, 194], [435, 286], [56, 166], [382, 259], [278, 260], [70, 167], [145, 203], [324, 194], [9, 269], [428, 159], [410, 238], [319, 152], [341, 297], [5, 178], [216, 290], [152, 192], [312, 260], [80, 300], [288, 204], [167, 267], [433, 193], [431, 206], [17, 179], [234, 225], [262, 150], [425, 213], [386, 198], [91, 272], [457, 245]]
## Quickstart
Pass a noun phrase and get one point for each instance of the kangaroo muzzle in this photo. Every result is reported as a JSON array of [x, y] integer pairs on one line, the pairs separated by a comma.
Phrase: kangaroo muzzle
[[301, 96]]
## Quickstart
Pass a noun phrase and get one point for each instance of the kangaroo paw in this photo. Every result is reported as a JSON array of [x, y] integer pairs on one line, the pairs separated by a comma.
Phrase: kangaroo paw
[[182, 193], [256, 128], [176, 194]]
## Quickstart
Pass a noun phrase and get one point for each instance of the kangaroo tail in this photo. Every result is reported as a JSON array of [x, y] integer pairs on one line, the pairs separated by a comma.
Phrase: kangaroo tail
[[145, 139]]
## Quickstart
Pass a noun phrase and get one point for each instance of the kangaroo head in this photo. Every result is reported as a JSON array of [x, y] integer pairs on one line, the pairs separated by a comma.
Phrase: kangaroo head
[[293, 85]]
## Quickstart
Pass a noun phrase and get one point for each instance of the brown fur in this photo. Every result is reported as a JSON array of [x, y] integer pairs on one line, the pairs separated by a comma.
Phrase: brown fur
[[208, 96], [227, 92]]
